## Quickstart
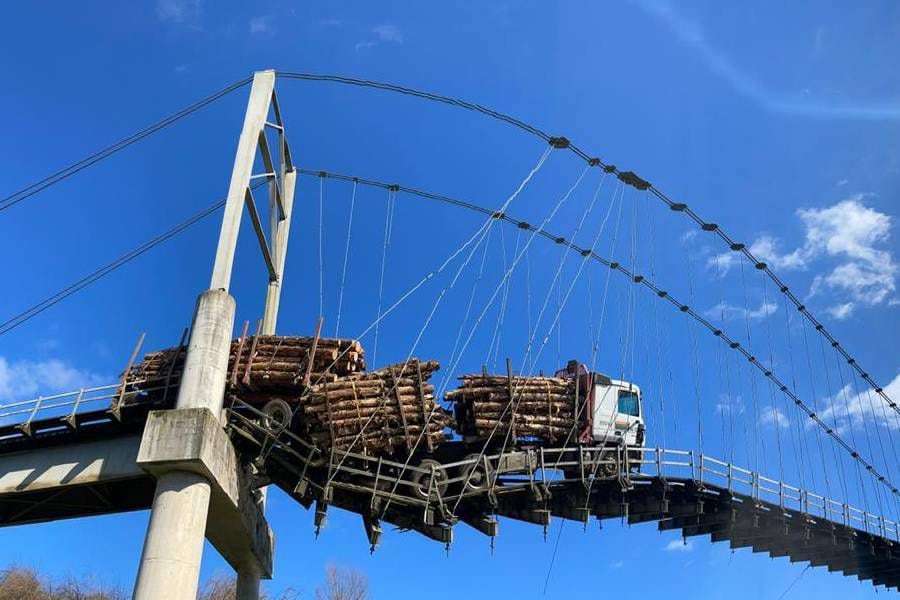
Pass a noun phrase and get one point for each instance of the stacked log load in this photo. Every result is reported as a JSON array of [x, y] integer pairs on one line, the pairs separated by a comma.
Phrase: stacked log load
[[543, 407], [390, 406], [267, 362]]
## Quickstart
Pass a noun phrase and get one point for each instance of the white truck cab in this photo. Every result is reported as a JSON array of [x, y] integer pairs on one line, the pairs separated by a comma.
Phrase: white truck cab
[[617, 412]]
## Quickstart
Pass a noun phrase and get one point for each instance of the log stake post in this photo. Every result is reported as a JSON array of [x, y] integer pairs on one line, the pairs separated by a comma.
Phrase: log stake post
[[396, 387], [246, 379], [116, 409], [550, 414], [330, 416], [512, 416], [359, 421], [171, 369], [240, 351], [429, 444], [312, 352]]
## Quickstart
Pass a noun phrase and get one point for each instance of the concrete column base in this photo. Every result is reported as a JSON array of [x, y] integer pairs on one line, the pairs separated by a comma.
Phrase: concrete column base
[[170, 560], [192, 441]]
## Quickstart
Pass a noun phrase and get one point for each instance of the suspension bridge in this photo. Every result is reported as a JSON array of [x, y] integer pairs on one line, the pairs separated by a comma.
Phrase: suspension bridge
[[762, 460]]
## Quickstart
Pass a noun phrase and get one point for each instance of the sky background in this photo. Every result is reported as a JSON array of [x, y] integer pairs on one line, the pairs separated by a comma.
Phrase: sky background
[[780, 123]]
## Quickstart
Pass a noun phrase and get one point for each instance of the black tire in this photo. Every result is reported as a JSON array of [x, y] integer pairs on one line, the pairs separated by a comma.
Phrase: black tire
[[421, 481], [474, 475], [278, 414]]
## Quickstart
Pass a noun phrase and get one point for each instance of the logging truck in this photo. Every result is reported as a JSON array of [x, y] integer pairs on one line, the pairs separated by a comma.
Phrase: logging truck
[[320, 390]]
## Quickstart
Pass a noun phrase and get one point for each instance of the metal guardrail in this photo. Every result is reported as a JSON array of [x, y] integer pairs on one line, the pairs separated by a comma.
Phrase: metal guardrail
[[67, 406], [514, 470], [705, 469], [522, 469]]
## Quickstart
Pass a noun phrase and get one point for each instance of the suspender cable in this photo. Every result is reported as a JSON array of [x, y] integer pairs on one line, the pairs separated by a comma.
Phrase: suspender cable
[[660, 389], [388, 214], [695, 356], [647, 283], [337, 325], [776, 414], [626, 176], [794, 412], [757, 416], [556, 279], [468, 312], [497, 335], [321, 246], [834, 422], [814, 395]]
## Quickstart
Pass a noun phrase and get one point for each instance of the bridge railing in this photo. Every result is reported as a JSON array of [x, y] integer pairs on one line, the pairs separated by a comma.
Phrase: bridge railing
[[705, 469], [67, 406]]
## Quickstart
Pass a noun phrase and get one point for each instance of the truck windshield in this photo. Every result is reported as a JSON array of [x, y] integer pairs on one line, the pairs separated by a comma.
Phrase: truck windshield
[[629, 404]]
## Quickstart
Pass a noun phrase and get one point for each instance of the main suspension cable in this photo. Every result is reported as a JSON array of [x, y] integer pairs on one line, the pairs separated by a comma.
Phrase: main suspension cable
[[39, 307], [627, 177], [65, 172]]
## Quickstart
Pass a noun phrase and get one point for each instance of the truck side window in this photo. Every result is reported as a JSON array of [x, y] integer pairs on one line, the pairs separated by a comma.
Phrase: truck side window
[[628, 403]]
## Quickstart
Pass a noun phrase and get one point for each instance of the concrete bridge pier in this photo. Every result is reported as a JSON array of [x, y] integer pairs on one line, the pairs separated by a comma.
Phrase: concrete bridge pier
[[170, 560], [198, 475]]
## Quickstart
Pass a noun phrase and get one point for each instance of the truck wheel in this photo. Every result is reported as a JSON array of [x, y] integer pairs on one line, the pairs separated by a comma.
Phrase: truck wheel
[[422, 482], [474, 475], [278, 414]]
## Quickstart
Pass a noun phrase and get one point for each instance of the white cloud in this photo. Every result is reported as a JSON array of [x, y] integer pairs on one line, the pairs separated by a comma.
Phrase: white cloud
[[181, 12], [765, 247], [847, 407], [849, 233], [692, 35], [839, 312], [721, 263], [774, 417], [730, 406], [725, 311], [388, 33], [261, 24], [25, 379], [364, 45], [679, 546], [617, 564]]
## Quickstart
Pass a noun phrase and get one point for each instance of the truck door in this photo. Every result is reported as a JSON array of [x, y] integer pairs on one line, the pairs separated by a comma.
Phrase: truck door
[[628, 417], [605, 409]]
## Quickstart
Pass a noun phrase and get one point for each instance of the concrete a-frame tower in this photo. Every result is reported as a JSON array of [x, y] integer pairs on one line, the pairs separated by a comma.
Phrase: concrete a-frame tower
[[201, 488]]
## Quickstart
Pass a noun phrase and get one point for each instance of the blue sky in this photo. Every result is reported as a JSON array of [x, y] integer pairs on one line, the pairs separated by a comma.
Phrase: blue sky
[[777, 122]]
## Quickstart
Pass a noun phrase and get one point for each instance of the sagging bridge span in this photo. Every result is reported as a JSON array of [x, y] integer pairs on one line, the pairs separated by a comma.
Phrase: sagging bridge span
[[200, 458]]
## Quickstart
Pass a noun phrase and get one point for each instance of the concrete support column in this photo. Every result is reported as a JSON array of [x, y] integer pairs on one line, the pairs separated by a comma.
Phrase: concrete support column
[[170, 560], [247, 584], [206, 363]]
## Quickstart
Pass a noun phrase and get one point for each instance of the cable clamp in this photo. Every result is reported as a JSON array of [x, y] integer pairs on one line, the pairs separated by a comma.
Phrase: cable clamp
[[631, 178], [559, 143]]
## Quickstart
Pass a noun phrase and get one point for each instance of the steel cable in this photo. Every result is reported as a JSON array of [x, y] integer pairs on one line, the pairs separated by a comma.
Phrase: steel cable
[[96, 157], [627, 176]]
